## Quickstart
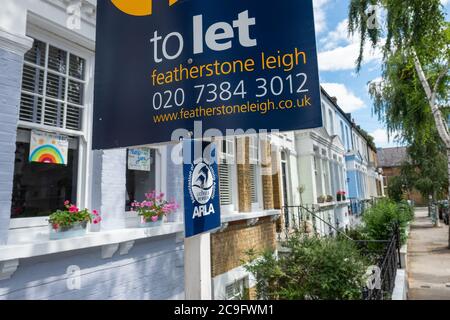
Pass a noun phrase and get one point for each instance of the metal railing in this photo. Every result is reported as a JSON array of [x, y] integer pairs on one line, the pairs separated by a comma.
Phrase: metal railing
[[382, 282], [387, 252], [296, 217]]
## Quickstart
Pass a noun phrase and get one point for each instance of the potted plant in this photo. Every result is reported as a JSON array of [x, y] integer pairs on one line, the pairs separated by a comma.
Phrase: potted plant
[[321, 199], [343, 196], [71, 222], [329, 198], [153, 209]]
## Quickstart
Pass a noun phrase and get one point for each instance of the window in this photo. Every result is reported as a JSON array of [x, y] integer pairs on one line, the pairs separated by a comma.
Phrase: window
[[39, 188], [348, 139], [318, 172], [344, 141], [253, 182], [330, 116], [139, 182], [236, 290], [253, 150], [53, 87], [225, 184], [226, 158], [325, 125], [254, 174], [52, 99]]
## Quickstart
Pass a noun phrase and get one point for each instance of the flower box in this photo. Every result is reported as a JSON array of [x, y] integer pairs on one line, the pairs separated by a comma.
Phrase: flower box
[[150, 224], [71, 222], [153, 209], [75, 230]]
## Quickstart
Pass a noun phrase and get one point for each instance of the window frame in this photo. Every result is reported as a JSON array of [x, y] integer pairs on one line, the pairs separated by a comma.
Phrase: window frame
[[84, 134], [230, 160]]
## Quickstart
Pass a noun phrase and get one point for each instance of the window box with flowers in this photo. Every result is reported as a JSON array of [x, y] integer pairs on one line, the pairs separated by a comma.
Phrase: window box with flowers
[[340, 196], [153, 209], [71, 222]]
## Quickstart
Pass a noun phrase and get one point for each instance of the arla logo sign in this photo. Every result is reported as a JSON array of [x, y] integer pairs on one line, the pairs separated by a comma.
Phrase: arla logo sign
[[137, 7], [201, 197], [202, 183]]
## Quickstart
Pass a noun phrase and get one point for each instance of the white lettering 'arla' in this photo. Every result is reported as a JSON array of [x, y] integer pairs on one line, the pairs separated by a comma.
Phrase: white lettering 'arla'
[[202, 211]]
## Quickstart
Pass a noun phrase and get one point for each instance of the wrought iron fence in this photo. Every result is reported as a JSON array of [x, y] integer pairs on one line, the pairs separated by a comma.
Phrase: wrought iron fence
[[381, 282]]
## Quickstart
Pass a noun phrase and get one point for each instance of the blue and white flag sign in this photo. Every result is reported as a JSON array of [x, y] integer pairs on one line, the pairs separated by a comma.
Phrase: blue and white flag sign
[[201, 187]]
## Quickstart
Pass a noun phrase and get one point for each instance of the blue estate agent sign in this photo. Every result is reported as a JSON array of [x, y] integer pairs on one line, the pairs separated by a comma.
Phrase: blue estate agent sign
[[201, 187], [232, 64]]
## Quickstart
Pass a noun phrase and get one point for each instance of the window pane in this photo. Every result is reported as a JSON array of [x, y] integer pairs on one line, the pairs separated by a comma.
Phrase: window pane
[[77, 67], [56, 86], [36, 54], [33, 79], [40, 189], [140, 182], [225, 184], [54, 113], [73, 120], [57, 60], [76, 92], [30, 108], [253, 183]]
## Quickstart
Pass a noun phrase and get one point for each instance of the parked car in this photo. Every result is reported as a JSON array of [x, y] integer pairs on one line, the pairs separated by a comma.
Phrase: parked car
[[443, 209]]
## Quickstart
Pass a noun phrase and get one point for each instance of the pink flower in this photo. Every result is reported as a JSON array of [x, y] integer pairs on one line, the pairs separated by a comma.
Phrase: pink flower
[[55, 226], [73, 209], [95, 212], [160, 196], [155, 218], [66, 203]]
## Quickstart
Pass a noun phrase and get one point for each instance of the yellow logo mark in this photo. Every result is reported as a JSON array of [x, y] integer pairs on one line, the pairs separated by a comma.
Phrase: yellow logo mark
[[137, 7]]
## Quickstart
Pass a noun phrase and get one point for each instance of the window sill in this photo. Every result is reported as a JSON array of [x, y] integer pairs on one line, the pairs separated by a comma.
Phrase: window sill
[[334, 204], [239, 216], [44, 246]]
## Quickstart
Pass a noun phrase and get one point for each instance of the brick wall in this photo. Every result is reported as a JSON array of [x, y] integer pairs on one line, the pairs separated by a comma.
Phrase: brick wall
[[228, 248]]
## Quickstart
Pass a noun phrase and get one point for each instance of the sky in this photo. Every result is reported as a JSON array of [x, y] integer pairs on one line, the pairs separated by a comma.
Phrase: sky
[[337, 56]]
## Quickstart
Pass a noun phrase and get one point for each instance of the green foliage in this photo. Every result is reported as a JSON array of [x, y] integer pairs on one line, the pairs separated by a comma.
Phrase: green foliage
[[72, 215], [380, 220], [312, 269], [413, 27], [426, 169], [396, 188]]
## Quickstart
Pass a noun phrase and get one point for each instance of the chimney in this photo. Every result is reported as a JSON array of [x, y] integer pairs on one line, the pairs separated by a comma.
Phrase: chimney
[[334, 99]]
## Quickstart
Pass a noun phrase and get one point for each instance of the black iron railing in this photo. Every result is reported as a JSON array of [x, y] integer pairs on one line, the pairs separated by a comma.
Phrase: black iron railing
[[381, 282], [297, 217]]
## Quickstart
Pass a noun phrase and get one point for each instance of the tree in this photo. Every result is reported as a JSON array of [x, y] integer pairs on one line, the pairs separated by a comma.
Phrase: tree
[[415, 44], [426, 168]]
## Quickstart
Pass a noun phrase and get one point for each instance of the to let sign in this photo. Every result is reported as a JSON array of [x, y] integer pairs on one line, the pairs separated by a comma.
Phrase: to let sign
[[201, 187], [163, 65]]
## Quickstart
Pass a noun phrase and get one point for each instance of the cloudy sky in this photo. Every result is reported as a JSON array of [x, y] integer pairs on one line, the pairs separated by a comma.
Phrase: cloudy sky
[[337, 56]]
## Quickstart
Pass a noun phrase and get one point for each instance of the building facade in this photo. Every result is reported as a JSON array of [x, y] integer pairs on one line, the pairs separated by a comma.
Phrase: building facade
[[47, 59]]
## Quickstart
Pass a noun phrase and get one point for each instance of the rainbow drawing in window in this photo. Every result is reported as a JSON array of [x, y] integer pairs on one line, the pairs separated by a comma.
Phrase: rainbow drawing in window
[[48, 148]]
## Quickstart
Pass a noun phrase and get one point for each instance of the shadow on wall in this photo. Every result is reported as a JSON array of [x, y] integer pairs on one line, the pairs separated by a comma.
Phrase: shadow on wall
[[153, 269]]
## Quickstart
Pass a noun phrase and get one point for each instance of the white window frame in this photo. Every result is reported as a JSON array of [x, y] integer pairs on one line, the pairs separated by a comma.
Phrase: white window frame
[[85, 134], [229, 156]]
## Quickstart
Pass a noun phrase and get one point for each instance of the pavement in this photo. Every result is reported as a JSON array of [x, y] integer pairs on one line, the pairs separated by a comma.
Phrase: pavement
[[428, 259]]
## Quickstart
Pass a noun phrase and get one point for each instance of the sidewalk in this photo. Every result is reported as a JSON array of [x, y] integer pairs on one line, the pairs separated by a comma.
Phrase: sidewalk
[[428, 260]]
